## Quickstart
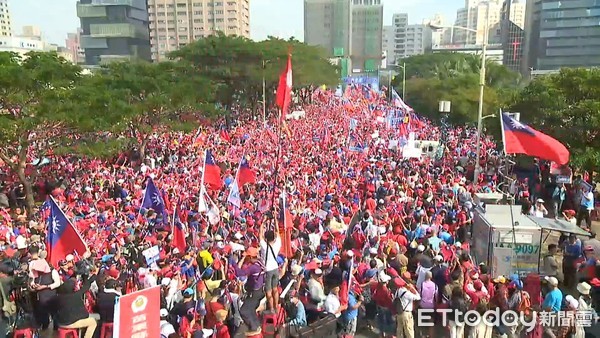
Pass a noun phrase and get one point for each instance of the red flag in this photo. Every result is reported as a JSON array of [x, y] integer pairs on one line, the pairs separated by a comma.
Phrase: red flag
[[245, 173], [225, 135], [212, 172], [522, 139], [178, 233], [284, 90], [63, 238], [285, 227]]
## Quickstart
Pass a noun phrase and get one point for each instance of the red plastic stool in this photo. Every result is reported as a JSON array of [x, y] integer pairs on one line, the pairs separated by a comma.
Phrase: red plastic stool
[[269, 324], [25, 333], [64, 332], [106, 330]]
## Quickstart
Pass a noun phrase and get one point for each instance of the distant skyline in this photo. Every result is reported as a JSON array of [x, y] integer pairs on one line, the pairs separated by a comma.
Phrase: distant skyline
[[282, 18]]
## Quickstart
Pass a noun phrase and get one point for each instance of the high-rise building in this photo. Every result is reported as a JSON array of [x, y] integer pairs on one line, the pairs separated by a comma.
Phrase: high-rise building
[[33, 32], [346, 29], [388, 44], [513, 33], [114, 30], [474, 15], [73, 47], [175, 23], [5, 19], [438, 36], [563, 34], [410, 39]]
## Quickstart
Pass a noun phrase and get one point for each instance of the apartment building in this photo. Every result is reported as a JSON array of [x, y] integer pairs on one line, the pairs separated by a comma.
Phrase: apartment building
[[347, 29], [176, 23], [410, 40], [5, 19]]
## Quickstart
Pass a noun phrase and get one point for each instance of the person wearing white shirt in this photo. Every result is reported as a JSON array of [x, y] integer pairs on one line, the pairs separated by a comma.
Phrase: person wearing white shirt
[[166, 328], [333, 304], [315, 287], [150, 280], [407, 294], [270, 245]]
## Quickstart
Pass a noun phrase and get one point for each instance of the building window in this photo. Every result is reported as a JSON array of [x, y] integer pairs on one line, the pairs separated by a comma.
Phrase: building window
[[231, 3], [219, 11], [197, 12], [160, 21], [181, 13], [218, 4], [183, 29], [197, 4], [170, 14], [219, 20], [181, 5], [183, 37], [162, 37], [160, 14], [198, 20], [170, 6], [162, 29], [171, 22]]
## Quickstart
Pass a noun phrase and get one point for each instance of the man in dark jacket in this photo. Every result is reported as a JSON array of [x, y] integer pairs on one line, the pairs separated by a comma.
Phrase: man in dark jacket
[[106, 301], [73, 314]]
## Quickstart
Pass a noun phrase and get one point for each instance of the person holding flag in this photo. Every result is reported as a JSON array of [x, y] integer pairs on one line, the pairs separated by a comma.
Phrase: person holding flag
[[270, 246]]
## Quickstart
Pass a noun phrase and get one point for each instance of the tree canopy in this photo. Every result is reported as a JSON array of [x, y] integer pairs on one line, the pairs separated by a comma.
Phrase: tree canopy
[[454, 77], [36, 108], [236, 66], [566, 106]]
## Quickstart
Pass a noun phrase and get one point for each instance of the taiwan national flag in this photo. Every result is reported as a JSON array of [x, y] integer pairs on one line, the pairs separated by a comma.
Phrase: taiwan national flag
[[519, 138], [212, 173], [178, 241], [153, 200], [63, 239], [245, 173]]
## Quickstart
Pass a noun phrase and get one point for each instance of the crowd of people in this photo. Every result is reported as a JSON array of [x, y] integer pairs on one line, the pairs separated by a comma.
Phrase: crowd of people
[[337, 227]]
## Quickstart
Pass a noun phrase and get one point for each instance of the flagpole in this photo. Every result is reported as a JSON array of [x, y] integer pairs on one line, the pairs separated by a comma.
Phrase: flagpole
[[502, 131], [144, 197], [278, 158], [201, 193]]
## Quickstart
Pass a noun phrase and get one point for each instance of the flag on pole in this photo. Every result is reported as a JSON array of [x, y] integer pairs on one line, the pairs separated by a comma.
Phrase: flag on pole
[[399, 103], [234, 194], [153, 200], [285, 227], [284, 90], [178, 241], [245, 174], [63, 238], [212, 172], [520, 138]]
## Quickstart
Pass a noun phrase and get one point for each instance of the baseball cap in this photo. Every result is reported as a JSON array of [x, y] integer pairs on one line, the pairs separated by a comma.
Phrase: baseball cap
[[188, 292], [551, 280], [164, 313]]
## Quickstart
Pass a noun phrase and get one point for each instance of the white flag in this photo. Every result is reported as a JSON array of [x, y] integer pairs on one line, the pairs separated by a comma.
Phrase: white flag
[[234, 195], [202, 205]]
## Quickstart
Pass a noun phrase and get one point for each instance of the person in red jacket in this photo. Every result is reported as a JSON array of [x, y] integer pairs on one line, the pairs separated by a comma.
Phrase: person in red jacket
[[221, 330]]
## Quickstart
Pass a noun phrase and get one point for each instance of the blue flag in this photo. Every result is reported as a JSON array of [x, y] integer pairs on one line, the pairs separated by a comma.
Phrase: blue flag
[[153, 200]]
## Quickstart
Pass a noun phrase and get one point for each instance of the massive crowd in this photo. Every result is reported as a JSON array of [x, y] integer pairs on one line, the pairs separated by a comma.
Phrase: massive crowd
[[370, 232]]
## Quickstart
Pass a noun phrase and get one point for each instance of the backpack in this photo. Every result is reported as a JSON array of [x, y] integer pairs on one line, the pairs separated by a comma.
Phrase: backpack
[[397, 303], [525, 304]]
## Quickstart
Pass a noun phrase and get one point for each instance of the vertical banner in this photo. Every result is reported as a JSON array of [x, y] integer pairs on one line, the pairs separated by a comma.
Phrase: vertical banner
[[137, 315]]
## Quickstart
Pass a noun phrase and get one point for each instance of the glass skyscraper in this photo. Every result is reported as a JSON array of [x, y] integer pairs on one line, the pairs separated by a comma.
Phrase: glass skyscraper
[[114, 30], [564, 33]]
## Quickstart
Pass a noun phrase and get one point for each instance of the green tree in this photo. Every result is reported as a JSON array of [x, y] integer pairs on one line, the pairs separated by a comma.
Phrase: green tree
[[36, 110], [145, 97], [566, 106], [455, 77], [236, 66]]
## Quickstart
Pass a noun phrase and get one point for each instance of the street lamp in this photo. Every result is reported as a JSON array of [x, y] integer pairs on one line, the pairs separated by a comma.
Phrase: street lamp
[[264, 91], [403, 81], [481, 80]]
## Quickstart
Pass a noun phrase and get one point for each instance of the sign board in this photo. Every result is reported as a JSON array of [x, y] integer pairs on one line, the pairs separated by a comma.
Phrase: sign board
[[151, 254], [516, 252], [561, 173], [137, 315]]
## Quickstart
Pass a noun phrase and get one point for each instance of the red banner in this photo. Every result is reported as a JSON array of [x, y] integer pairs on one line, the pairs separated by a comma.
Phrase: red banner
[[137, 315]]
